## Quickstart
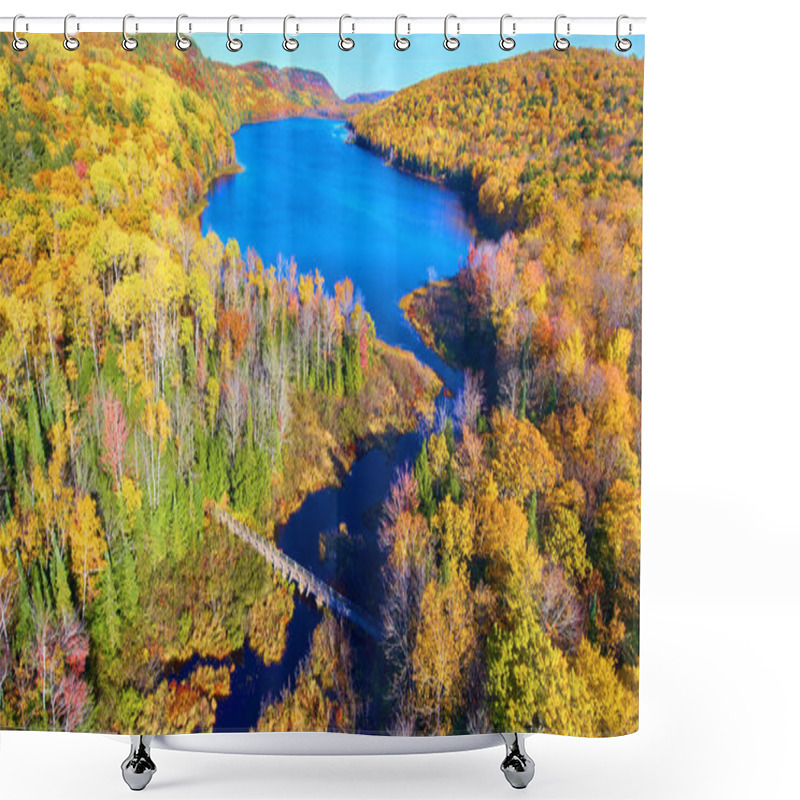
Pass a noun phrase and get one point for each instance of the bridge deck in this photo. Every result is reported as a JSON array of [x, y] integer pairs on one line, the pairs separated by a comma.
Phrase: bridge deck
[[305, 580]]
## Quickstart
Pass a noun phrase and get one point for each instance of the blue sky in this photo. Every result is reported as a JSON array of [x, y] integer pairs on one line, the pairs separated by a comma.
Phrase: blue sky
[[375, 64]]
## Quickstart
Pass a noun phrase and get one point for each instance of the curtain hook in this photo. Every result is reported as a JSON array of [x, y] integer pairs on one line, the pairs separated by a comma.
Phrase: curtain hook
[[561, 43], [451, 42], [507, 42], [181, 42], [400, 42], [345, 42], [18, 43], [70, 42], [623, 45], [289, 44], [128, 42], [233, 44]]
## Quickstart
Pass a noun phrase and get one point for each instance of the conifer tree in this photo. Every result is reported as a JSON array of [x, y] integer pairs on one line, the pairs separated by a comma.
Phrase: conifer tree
[[35, 444], [24, 629], [109, 609], [128, 585], [59, 581], [422, 473]]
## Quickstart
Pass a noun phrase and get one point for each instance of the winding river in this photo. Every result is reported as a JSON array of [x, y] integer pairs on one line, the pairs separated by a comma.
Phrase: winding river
[[305, 192]]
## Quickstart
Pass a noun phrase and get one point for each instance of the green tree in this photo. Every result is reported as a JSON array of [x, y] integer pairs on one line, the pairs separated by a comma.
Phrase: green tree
[[128, 591], [248, 479], [562, 536], [35, 444], [563, 540], [24, 630], [109, 610], [422, 474], [530, 683], [62, 594]]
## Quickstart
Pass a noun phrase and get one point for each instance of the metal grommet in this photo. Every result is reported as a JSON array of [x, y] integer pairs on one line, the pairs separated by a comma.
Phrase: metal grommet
[[128, 42], [182, 42], [451, 42], [400, 42], [233, 44], [345, 42], [18, 43], [561, 43], [623, 45], [289, 44], [70, 42], [507, 42]]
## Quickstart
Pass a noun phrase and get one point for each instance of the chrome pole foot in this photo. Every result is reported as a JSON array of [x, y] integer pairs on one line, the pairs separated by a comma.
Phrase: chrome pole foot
[[517, 766], [138, 768]]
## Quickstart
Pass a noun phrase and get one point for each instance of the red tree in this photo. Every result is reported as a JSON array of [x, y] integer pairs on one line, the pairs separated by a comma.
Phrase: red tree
[[114, 437]]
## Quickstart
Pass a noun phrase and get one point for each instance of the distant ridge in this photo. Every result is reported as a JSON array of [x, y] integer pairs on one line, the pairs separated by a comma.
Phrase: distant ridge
[[369, 97], [249, 92]]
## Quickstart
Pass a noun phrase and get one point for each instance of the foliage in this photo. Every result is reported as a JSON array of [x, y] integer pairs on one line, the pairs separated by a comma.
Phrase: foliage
[[143, 369], [547, 150], [269, 617], [323, 697], [525, 136]]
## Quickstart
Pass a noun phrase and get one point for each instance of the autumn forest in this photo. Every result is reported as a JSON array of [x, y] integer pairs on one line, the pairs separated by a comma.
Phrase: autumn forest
[[151, 375]]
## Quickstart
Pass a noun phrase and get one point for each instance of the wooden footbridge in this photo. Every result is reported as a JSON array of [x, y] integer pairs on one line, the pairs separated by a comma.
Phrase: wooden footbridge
[[307, 583]]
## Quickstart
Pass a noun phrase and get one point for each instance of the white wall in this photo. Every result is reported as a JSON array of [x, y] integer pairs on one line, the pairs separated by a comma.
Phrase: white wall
[[720, 609]]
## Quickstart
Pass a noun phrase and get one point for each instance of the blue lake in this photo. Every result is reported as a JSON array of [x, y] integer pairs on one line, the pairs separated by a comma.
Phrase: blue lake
[[306, 192]]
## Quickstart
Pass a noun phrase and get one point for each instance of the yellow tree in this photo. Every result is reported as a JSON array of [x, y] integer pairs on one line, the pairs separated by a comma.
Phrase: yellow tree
[[562, 537], [455, 529], [445, 639], [87, 547], [9, 364], [531, 682], [615, 698], [502, 532], [125, 310], [52, 316], [522, 461], [163, 290], [438, 457], [88, 308], [618, 548], [618, 350], [531, 685], [156, 428], [207, 255], [53, 501], [109, 248], [201, 300]]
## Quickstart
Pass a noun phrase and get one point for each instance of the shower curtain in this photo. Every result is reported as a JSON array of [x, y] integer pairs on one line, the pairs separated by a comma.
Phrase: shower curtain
[[320, 385]]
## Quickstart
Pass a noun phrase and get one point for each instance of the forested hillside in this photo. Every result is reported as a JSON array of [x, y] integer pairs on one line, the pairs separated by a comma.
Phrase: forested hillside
[[146, 370], [513, 544], [519, 135], [96, 100], [248, 93]]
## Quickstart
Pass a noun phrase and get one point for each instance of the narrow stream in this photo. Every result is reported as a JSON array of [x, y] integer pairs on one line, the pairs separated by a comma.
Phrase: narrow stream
[[305, 192]]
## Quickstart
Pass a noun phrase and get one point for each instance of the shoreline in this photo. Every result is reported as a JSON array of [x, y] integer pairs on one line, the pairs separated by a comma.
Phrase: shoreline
[[195, 211], [481, 227], [425, 331]]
